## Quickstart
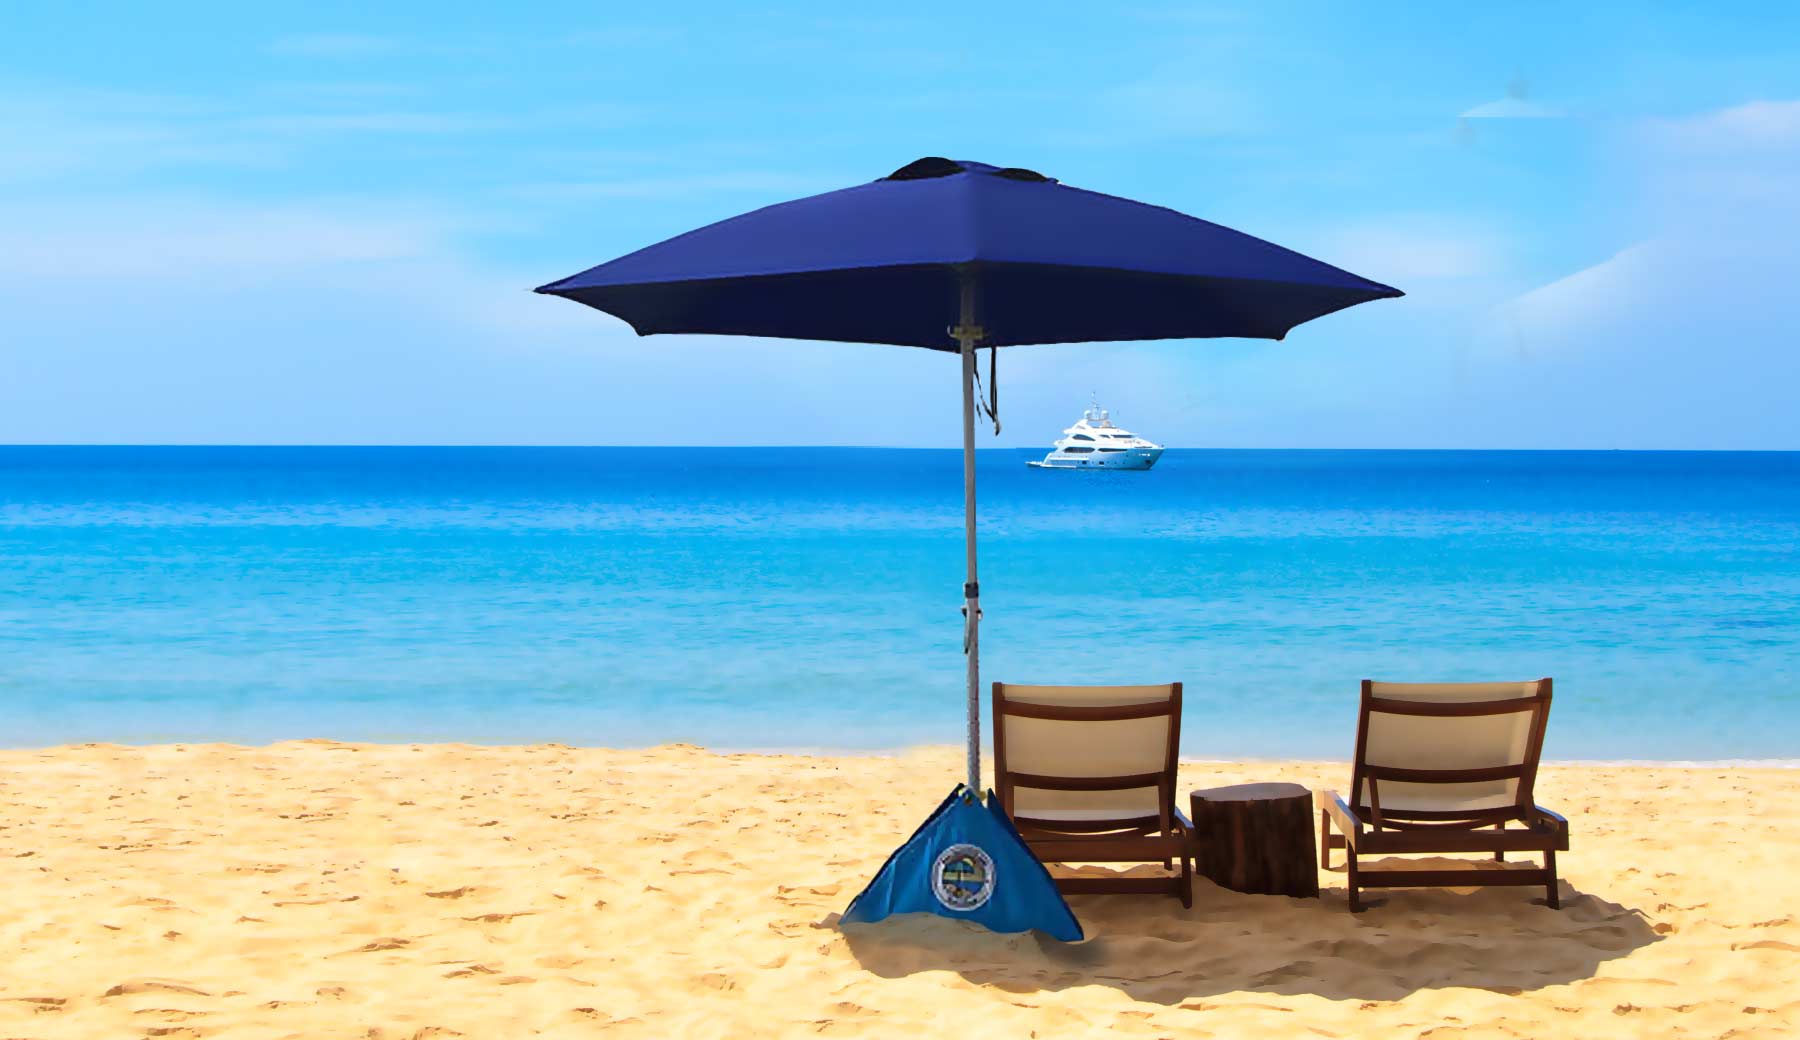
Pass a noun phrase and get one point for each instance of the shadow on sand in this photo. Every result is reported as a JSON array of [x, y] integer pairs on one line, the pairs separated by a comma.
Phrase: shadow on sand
[[1498, 939]]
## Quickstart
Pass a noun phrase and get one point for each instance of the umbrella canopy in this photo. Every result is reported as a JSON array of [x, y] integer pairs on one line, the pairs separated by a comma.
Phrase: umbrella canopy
[[884, 262], [954, 256]]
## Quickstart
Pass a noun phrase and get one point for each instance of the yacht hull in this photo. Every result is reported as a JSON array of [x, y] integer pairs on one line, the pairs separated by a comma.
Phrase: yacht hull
[[1129, 459]]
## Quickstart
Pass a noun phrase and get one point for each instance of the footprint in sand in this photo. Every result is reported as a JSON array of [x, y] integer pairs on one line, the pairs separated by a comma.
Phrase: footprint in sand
[[451, 893], [172, 1014], [473, 969], [155, 986], [1767, 944], [377, 946]]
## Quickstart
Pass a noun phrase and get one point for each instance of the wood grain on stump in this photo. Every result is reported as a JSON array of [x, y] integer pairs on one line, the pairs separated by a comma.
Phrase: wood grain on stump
[[1256, 838]]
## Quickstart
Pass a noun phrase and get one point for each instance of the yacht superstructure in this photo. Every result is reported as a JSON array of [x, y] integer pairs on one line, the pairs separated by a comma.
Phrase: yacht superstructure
[[1095, 443]]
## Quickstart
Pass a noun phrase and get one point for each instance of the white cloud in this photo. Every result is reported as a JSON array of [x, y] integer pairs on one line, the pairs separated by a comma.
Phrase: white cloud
[[1682, 339], [334, 45], [1160, 107], [1763, 124], [1513, 108], [167, 239], [174, 321], [1410, 247], [373, 122], [46, 134], [339, 91], [1584, 312], [153, 318], [1181, 107], [1715, 201], [689, 185], [1517, 104]]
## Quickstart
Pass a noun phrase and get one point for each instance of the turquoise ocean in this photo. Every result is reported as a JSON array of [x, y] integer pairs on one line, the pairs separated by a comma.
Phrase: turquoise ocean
[[808, 598]]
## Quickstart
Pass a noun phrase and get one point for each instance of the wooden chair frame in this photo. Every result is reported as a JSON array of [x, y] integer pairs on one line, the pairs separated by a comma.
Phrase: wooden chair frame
[[1165, 837], [1367, 829]]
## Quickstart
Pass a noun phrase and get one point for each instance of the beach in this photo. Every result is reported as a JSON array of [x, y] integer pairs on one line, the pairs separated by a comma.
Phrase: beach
[[319, 889]]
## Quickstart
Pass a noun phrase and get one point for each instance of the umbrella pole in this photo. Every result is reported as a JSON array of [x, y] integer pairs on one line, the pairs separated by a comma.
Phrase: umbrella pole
[[968, 335]]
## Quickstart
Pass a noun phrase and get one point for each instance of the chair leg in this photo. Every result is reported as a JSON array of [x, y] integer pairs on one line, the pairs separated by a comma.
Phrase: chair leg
[[1356, 906], [1324, 840], [1552, 891], [1187, 882]]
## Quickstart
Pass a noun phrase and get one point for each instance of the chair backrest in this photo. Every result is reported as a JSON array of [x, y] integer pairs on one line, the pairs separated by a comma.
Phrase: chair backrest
[[1087, 758], [1446, 752]]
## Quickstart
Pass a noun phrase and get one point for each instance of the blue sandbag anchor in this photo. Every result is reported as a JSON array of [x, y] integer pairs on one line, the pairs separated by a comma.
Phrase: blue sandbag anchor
[[968, 862]]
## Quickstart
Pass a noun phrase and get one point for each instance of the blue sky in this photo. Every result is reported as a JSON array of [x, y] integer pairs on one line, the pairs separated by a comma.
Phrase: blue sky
[[221, 223]]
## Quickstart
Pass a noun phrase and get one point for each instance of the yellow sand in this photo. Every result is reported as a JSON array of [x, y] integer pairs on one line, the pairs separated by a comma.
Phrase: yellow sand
[[327, 890]]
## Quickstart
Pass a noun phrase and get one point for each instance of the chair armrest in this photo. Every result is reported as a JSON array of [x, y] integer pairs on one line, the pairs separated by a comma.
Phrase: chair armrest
[[1550, 824], [1342, 814]]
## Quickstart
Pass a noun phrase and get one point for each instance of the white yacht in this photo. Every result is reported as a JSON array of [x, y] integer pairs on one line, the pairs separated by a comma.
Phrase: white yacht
[[1095, 443]]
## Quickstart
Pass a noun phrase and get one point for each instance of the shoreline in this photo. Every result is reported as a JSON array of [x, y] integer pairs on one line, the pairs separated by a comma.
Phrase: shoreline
[[897, 751]]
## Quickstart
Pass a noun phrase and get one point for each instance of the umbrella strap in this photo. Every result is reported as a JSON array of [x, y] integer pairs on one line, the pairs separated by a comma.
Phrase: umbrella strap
[[991, 405], [968, 626]]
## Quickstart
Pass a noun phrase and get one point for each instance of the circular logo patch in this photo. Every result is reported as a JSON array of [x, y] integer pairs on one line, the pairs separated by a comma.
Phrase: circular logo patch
[[963, 877]]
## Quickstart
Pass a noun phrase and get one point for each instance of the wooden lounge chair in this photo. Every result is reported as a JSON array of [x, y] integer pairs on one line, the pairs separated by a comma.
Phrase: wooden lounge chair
[[1088, 775], [1436, 763]]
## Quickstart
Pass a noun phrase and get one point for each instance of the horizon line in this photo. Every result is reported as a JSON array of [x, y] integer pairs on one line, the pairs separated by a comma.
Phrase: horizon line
[[836, 447]]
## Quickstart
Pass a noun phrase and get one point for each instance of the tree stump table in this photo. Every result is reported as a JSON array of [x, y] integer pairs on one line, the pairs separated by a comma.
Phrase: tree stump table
[[1256, 838]]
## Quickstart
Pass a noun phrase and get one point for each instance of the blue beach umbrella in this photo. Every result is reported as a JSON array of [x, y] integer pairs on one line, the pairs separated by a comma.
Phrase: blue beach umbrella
[[955, 256]]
